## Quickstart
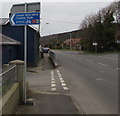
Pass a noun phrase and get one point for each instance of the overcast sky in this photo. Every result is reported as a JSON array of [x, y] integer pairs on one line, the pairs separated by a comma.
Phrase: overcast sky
[[62, 16]]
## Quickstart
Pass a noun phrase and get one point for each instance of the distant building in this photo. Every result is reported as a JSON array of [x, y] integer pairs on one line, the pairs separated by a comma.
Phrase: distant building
[[17, 33], [75, 43]]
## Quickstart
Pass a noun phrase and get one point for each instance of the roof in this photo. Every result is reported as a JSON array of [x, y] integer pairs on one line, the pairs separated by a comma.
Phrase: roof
[[73, 41], [4, 21], [4, 40]]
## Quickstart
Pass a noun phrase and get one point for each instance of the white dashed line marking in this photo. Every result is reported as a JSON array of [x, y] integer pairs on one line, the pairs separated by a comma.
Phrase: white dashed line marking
[[58, 72], [52, 73], [53, 89], [89, 60], [62, 81], [108, 58], [53, 85], [65, 88], [52, 82], [118, 68], [52, 79], [102, 64], [100, 79], [63, 84]]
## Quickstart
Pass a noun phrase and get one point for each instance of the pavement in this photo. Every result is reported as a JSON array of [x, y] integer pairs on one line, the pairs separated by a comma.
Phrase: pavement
[[47, 93]]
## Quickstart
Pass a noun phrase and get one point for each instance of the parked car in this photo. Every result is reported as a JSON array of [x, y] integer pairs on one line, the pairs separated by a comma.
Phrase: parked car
[[45, 49]]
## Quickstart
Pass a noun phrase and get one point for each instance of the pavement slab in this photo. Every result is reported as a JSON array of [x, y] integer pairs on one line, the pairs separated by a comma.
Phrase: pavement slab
[[44, 103], [46, 99]]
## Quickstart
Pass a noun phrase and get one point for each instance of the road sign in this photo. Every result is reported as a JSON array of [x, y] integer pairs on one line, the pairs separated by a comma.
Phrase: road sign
[[31, 7], [25, 14], [94, 44], [18, 19]]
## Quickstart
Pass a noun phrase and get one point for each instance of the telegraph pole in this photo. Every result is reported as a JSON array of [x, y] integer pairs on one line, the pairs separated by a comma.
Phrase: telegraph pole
[[70, 42], [25, 55]]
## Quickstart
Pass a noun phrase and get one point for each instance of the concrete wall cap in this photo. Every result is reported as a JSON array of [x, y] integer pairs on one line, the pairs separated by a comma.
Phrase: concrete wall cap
[[16, 62]]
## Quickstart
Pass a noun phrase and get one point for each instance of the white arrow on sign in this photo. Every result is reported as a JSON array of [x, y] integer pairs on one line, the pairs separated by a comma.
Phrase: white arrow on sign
[[12, 19]]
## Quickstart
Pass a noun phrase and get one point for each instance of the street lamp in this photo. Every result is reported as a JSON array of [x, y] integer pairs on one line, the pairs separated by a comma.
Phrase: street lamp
[[44, 26], [70, 42]]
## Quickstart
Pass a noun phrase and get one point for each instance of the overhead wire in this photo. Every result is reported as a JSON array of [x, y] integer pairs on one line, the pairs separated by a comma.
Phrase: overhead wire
[[61, 21]]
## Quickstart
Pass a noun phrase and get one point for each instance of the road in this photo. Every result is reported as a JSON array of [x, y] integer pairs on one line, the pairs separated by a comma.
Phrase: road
[[91, 79]]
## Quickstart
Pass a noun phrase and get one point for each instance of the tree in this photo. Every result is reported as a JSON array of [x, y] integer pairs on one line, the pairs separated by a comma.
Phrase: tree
[[99, 28]]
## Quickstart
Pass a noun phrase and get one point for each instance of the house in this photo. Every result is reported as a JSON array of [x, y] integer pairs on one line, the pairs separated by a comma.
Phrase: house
[[17, 33], [10, 48], [74, 43]]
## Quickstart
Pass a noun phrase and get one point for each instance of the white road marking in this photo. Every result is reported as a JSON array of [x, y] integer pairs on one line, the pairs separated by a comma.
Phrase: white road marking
[[62, 81], [102, 64], [58, 72], [52, 79], [118, 68], [89, 60], [63, 84], [52, 72], [65, 88], [101, 71], [108, 57], [61, 78], [98, 79], [53, 89], [60, 75], [52, 82], [53, 85]]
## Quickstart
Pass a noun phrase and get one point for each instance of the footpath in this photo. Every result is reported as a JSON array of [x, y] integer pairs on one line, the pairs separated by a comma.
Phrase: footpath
[[42, 99]]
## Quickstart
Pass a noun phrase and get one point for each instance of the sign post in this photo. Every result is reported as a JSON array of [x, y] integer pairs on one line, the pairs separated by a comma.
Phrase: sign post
[[25, 55], [95, 44], [25, 18]]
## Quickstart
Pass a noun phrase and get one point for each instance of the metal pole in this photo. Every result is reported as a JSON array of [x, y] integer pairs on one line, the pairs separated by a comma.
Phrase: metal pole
[[70, 42], [25, 55], [96, 48]]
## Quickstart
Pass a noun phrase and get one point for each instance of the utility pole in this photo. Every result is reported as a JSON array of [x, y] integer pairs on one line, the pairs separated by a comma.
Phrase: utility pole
[[70, 42], [25, 56]]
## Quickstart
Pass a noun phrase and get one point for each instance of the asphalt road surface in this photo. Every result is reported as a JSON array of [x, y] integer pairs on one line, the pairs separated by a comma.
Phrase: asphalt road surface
[[91, 79]]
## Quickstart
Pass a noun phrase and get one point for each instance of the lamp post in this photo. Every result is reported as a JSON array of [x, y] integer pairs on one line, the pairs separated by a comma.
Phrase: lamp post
[[70, 42], [44, 26]]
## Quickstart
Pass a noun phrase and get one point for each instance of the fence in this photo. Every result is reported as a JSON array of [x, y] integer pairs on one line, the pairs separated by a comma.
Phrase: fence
[[53, 57], [7, 78]]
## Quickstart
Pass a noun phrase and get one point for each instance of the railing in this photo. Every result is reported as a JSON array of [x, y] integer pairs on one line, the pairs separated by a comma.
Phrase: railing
[[52, 55], [7, 78]]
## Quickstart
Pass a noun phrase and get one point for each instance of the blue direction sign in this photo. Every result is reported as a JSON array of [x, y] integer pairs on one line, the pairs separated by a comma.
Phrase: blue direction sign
[[18, 19]]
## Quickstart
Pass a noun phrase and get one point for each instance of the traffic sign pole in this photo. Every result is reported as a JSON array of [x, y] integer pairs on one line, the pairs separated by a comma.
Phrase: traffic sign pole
[[25, 18], [25, 56]]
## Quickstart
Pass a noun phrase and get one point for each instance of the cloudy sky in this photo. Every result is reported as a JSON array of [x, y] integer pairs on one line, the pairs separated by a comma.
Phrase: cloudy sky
[[62, 15]]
